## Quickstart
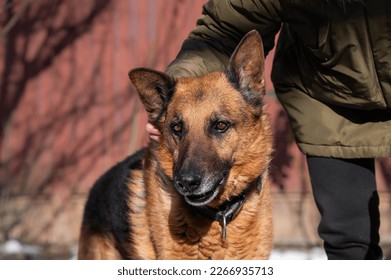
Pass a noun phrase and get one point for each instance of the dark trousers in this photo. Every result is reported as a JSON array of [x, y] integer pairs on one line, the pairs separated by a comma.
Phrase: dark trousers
[[346, 196]]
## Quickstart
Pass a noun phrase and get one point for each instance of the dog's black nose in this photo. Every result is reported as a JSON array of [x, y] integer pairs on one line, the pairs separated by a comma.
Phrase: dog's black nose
[[188, 183]]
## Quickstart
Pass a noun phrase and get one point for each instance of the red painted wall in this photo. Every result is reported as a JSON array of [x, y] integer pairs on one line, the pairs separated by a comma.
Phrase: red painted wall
[[67, 109]]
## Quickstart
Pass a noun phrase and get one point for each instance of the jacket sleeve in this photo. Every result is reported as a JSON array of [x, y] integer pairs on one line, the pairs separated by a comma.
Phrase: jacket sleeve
[[220, 28]]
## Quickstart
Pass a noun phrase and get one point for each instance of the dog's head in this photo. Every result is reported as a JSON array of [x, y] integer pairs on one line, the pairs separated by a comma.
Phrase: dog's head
[[215, 138]]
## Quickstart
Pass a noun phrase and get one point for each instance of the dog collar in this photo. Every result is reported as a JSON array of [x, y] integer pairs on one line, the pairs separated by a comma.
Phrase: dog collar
[[226, 212]]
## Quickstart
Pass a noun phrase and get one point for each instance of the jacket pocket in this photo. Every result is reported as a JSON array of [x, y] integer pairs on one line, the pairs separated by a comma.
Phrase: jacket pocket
[[322, 50]]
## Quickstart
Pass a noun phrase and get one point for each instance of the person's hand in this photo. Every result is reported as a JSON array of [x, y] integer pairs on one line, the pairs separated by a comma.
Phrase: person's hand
[[154, 134]]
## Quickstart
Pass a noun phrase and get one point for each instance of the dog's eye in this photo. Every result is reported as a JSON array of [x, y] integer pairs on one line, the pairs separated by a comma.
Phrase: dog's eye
[[177, 129], [222, 127]]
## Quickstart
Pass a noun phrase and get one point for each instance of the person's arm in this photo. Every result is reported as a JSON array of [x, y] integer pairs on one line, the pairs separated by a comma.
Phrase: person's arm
[[220, 28]]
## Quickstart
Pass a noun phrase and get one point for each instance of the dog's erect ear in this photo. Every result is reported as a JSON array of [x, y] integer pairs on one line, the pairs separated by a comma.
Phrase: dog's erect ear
[[154, 88], [246, 67]]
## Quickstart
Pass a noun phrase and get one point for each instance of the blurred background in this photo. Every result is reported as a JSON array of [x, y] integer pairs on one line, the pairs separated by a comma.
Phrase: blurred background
[[68, 112]]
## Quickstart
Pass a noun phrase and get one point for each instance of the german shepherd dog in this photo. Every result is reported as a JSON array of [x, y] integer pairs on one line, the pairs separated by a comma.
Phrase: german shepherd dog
[[202, 191]]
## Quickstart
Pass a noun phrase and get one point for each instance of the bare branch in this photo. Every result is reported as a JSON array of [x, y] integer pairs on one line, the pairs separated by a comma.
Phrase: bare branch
[[11, 23]]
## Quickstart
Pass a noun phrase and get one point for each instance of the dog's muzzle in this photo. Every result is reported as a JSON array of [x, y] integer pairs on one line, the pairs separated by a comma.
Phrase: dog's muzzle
[[199, 190]]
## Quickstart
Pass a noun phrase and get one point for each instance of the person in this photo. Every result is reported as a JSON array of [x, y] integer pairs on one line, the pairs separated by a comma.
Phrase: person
[[332, 74]]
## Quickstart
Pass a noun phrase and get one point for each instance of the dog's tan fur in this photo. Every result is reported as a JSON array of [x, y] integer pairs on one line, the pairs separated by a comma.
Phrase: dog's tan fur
[[162, 224]]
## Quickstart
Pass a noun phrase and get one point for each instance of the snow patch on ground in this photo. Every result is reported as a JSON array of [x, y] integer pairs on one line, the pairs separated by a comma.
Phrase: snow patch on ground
[[14, 247], [297, 254]]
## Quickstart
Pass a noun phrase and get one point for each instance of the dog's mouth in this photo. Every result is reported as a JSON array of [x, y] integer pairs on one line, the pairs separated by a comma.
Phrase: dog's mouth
[[204, 198]]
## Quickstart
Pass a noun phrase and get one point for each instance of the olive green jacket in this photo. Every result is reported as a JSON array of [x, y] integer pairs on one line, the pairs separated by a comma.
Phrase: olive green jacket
[[331, 70]]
